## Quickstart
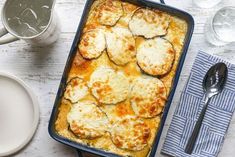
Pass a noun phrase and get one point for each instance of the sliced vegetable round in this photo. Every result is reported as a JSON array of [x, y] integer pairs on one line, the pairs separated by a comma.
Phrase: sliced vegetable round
[[155, 56], [130, 133], [86, 120], [76, 89], [148, 96], [92, 44], [149, 23], [110, 12]]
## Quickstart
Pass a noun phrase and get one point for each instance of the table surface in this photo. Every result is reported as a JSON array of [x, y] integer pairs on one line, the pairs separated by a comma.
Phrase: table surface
[[41, 68]]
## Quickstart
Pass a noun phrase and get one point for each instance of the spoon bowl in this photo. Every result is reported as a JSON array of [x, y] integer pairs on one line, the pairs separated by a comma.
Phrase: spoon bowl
[[215, 79]]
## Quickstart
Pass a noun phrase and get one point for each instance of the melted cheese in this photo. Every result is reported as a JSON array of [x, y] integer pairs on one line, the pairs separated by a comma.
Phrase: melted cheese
[[108, 86], [120, 45], [130, 133], [84, 124], [148, 96], [76, 89], [155, 56], [92, 44], [149, 23], [110, 12], [176, 35], [128, 11], [118, 111]]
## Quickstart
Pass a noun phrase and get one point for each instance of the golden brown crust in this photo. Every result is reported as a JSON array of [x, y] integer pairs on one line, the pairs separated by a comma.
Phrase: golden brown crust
[[155, 56], [109, 86], [176, 35], [148, 97], [120, 45], [149, 23], [84, 124], [130, 133], [75, 90], [110, 12], [147, 125], [92, 44]]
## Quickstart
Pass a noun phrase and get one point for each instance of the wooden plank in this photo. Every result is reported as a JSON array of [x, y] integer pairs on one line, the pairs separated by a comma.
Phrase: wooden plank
[[42, 68]]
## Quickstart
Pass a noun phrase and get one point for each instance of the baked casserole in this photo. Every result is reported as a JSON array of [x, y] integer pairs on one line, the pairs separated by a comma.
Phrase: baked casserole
[[121, 77]]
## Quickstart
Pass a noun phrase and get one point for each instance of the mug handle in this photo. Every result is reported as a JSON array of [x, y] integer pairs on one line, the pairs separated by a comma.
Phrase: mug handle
[[6, 40]]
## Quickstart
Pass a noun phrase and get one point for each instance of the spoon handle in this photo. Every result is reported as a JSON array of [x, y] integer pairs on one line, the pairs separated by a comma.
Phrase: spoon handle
[[193, 138]]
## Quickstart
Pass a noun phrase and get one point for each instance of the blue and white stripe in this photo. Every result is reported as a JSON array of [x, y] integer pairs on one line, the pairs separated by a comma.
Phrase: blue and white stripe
[[216, 120]]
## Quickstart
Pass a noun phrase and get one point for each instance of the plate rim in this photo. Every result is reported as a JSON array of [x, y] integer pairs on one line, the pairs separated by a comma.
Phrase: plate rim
[[36, 117]]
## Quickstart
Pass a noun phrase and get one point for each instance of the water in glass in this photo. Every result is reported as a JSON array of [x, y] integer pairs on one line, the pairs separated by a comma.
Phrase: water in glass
[[30, 17], [220, 29]]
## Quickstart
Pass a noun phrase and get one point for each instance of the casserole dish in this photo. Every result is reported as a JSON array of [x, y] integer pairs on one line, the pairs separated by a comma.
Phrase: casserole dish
[[72, 56]]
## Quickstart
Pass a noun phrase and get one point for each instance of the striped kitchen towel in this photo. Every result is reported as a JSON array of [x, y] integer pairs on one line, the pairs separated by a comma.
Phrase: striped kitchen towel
[[216, 120]]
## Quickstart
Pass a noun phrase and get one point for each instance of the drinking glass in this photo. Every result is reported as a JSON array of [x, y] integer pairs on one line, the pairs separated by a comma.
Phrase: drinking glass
[[206, 3], [220, 29]]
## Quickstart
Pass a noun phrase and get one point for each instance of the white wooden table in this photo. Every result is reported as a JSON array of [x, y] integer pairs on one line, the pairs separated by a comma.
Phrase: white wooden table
[[41, 69]]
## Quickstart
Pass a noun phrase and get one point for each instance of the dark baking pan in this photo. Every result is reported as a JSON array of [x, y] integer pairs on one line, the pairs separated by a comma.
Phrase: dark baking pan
[[144, 3]]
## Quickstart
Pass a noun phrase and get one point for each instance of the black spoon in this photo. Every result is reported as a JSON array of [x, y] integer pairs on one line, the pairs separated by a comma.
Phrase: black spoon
[[213, 84]]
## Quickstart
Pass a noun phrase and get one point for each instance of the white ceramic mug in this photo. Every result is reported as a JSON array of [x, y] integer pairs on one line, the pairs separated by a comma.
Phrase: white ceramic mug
[[46, 37]]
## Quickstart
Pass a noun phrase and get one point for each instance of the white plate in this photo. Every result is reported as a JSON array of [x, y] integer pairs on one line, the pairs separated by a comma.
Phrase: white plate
[[19, 114]]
